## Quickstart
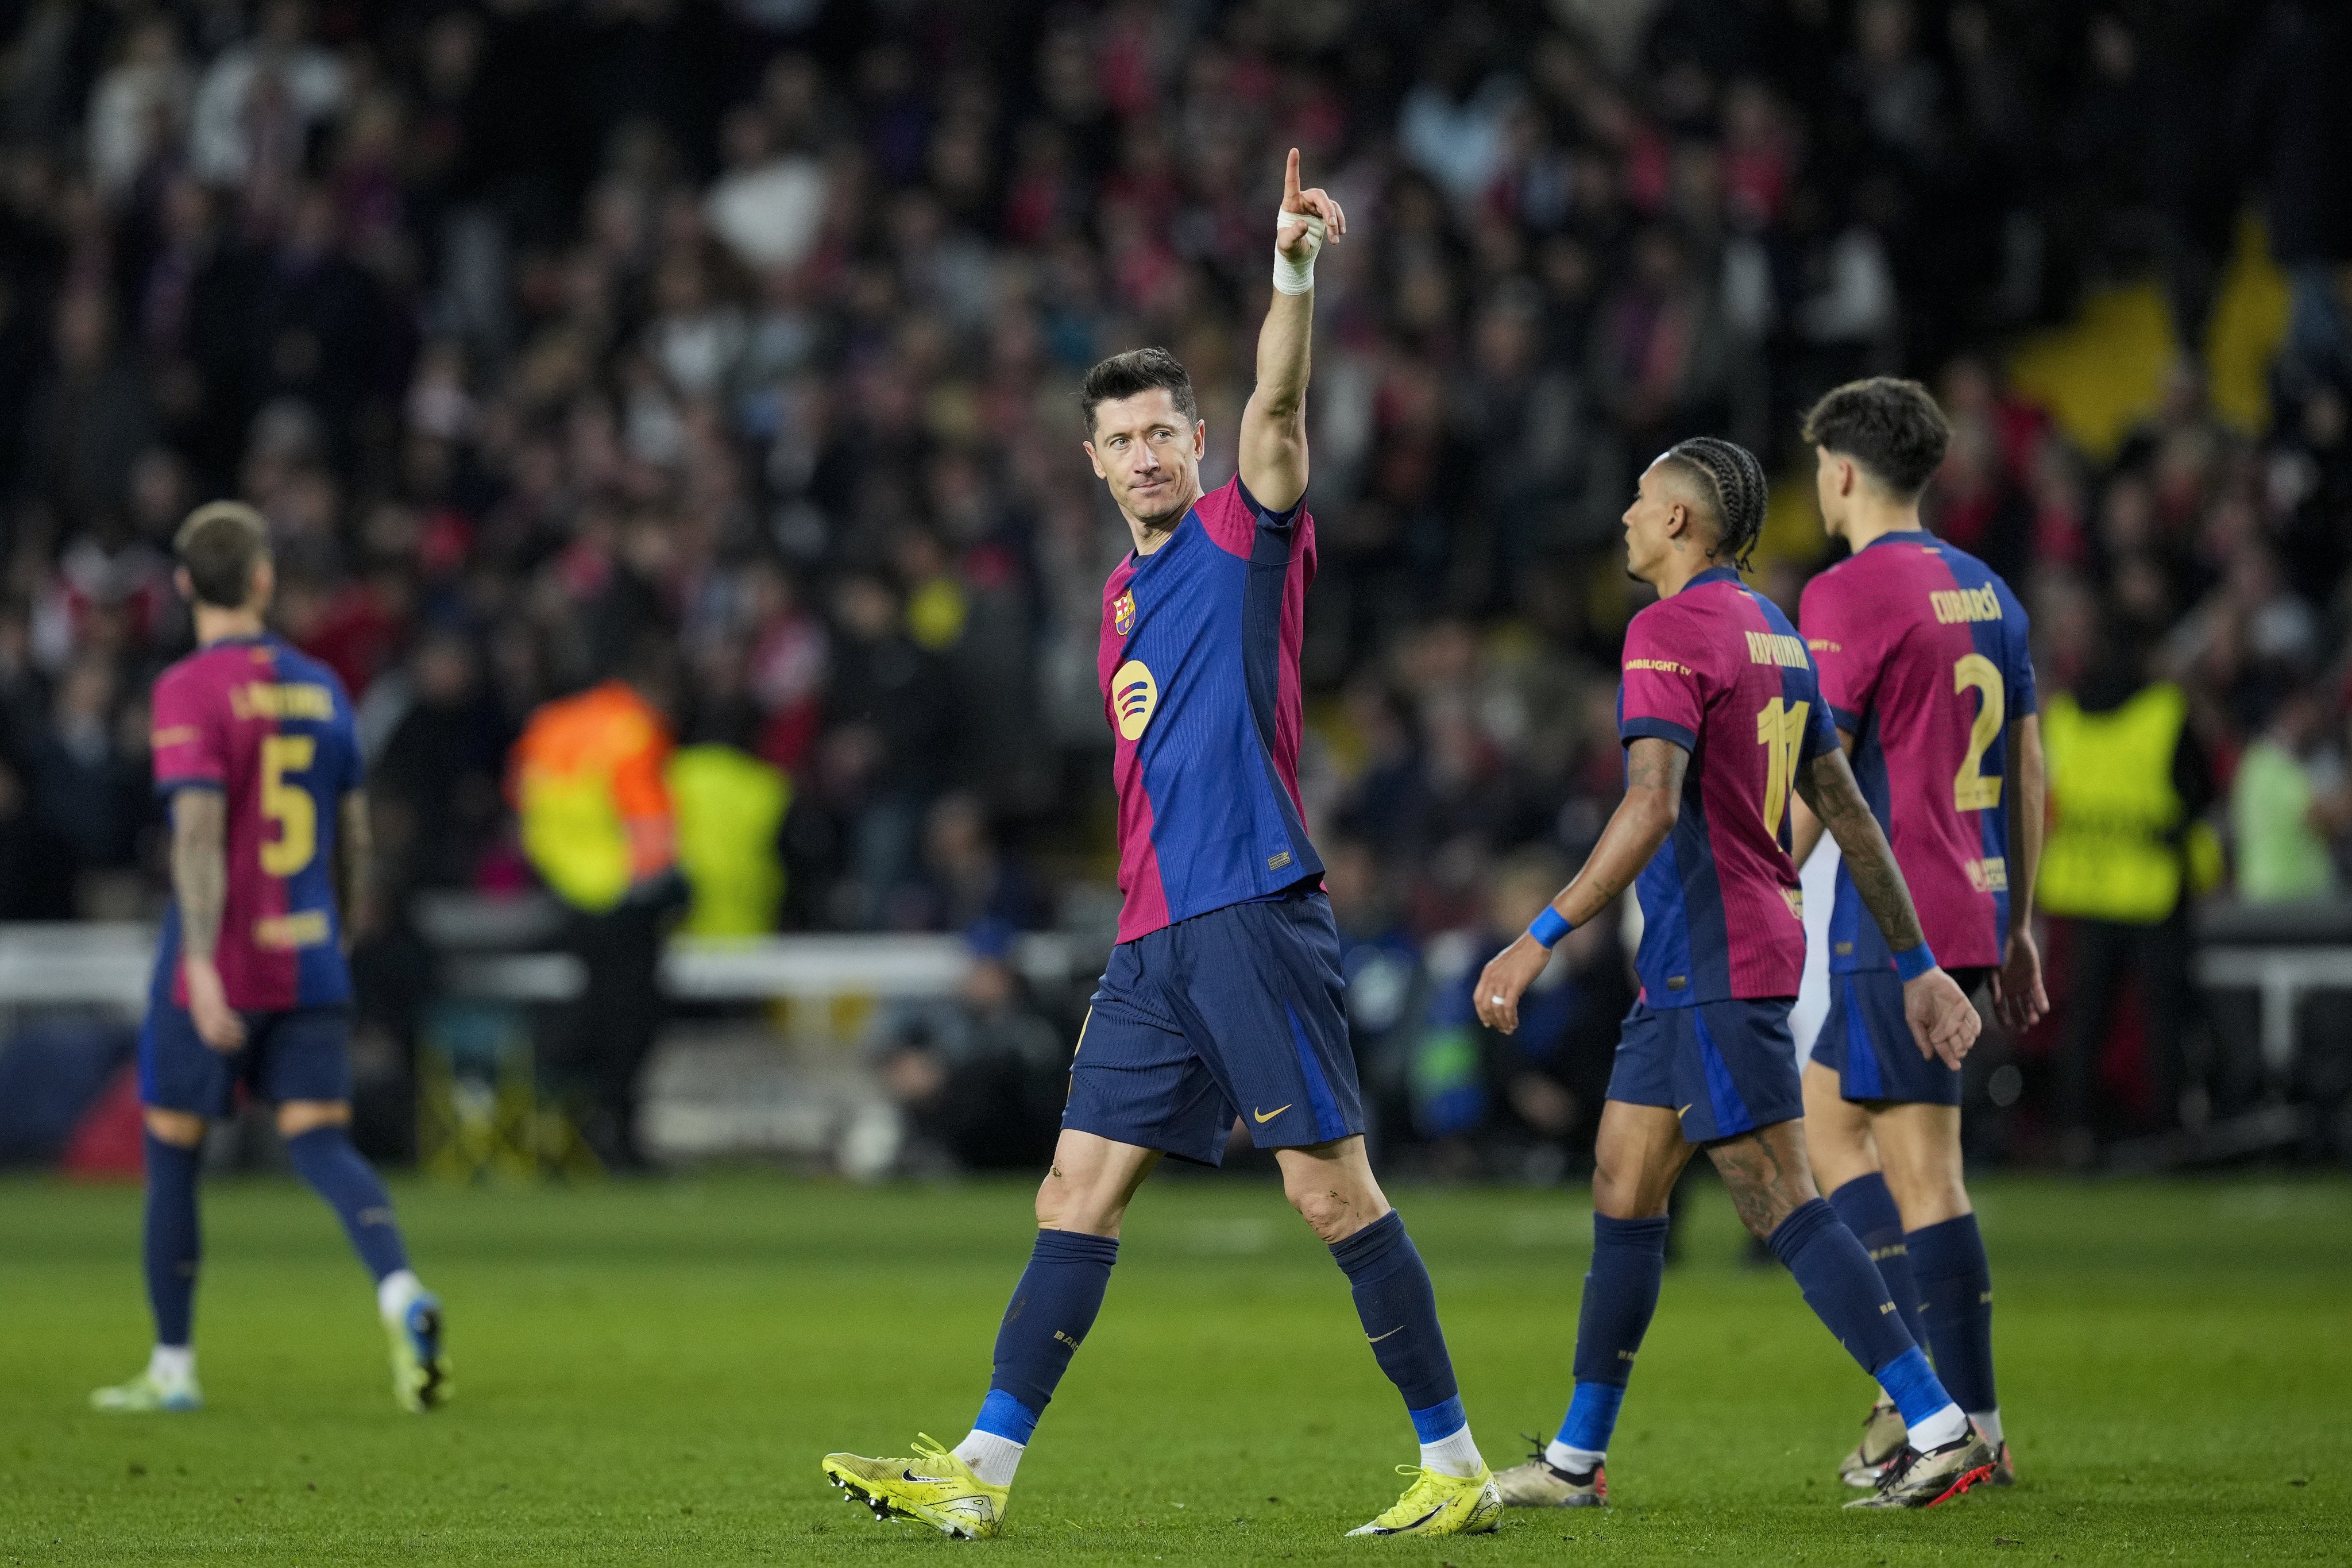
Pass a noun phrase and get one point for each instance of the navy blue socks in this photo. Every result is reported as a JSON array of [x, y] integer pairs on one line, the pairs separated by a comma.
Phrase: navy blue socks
[[1957, 1284], [1052, 1307], [324, 1157], [1845, 1291], [1621, 1292], [172, 1245], [1869, 1211], [1398, 1308]]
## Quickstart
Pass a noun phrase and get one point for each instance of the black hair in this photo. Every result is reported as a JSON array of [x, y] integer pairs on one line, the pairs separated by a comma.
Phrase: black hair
[[1889, 425], [1736, 488], [220, 544], [1138, 370]]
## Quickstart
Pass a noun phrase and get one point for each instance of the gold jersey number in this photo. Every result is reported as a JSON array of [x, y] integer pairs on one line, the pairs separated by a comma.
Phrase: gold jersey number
[[1780, 730], [289, 805], [1973, 789]]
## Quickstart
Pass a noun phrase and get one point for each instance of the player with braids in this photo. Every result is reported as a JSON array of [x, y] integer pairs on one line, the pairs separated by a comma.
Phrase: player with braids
[[1737, 490], [1721, 715]]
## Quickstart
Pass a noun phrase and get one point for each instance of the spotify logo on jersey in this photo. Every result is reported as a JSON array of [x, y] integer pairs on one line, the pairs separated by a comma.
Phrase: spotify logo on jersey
[[1133, 695]]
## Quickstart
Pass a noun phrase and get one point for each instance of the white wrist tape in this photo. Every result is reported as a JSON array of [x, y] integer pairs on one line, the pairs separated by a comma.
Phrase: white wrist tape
[[1297, 276]]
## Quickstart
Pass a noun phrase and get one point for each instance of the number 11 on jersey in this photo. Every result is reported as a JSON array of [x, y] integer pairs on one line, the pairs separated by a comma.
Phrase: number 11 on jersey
[[1780, 730]]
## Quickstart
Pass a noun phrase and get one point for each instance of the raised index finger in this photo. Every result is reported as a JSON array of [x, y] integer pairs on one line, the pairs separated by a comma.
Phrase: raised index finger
[[1290, 183]]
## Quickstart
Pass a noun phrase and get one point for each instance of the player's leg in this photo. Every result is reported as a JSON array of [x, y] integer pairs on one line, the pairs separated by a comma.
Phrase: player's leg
[[181, 1080], [1136, 1091], [1845, 1164], [1920, 1143], [305, 1068], [1638, 1152], [1259, 991]]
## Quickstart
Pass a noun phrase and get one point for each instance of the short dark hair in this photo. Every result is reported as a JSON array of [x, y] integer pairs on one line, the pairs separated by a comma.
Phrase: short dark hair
[[220, 544], [1889, 425], [1734, 486], [1138, 370]]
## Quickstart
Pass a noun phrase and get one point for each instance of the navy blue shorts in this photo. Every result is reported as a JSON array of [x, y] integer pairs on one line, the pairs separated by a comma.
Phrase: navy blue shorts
[[1236, 1012], [1867, 1042], [1728, 1066], [300, 1054]]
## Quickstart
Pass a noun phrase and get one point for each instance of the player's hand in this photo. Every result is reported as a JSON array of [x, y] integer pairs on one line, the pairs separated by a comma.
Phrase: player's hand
[[1505, 977], [1292, 238], [217, 1022], [2017, 993], [1943, 1020]]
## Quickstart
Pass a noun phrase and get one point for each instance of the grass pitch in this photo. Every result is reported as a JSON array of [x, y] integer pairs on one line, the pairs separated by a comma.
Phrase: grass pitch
[[648, 1373]]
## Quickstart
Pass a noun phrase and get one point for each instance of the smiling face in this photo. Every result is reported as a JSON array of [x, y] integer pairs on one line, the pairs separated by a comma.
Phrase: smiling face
[[1149, 455]]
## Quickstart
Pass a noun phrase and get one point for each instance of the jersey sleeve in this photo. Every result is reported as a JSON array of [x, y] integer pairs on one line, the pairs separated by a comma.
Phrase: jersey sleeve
[[1659, 695], [1234, 518], [2017, 632], [1849, 676], [351, 762], [186, 738], [1821, 728]]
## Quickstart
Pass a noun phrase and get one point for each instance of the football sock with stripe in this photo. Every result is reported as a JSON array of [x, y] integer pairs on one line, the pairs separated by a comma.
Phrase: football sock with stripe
[[173, 1243], [1621, 1293], [325, 1158], [1398, 1308], [1869, 1211], [1846, 1293], [1053, 1308], [1955, 1281]]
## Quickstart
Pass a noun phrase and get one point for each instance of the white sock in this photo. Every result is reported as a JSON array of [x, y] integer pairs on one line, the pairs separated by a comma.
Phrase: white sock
[[1452, 1455], [1940, 1428], [1988, 1423], [172, 1364], [394, 1293], [992, 1459], [1561, 1457]]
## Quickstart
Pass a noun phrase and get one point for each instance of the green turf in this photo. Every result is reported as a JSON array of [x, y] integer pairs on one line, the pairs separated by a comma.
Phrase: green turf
[[649, 1373]]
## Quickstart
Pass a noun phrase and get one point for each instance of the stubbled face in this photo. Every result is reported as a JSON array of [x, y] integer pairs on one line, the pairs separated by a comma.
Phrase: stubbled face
[[1149, 455], [1660, 515]]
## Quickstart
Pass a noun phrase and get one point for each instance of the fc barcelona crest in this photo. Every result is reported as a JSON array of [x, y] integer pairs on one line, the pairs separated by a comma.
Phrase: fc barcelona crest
[[1122, 612]]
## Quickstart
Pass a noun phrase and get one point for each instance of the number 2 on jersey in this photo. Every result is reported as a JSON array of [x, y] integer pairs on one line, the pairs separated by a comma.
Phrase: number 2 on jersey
[[1973, 789], [1780, 730], [289, 805]]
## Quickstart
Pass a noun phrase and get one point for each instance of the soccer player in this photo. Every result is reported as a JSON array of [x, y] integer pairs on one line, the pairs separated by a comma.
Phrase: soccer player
[[256, 750], [1924, 665], [1720, 711], [1224, 993]]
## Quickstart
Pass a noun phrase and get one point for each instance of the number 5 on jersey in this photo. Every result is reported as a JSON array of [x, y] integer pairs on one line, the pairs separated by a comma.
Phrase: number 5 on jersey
[[1780, 730], [287, 805]]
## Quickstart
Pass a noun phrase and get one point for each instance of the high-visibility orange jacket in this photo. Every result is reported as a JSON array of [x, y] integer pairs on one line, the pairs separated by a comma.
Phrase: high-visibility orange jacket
[[587, 781]]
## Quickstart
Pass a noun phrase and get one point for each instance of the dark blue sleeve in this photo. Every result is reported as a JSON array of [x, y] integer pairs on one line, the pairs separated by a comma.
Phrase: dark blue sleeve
[[2018, 646]]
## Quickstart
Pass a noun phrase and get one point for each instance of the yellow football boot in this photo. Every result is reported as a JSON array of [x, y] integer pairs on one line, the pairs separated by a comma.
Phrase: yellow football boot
[[934, 1486], [1441, 1505]]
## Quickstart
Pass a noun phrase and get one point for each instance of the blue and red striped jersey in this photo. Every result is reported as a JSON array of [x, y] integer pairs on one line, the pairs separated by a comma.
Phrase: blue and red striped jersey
[[1923, 657], [1717, 670], [1198, 667], [271, 729]]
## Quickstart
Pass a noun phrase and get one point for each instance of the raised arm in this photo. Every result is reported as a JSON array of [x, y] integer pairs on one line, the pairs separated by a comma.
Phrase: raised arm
[[1942, 1019], [2017, 991], [1274, 424], [200, 886], [1654, 797]]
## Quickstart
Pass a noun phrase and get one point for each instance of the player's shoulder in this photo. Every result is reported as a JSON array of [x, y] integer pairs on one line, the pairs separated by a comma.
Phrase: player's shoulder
[[296, 667], [1234, 517]]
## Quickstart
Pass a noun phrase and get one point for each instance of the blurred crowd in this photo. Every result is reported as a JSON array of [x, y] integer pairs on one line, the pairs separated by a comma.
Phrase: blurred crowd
[[542, 331]]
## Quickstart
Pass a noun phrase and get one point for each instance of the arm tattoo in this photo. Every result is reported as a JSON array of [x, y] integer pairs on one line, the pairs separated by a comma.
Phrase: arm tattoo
[[354, 859], [199, 867], [1827, 786]]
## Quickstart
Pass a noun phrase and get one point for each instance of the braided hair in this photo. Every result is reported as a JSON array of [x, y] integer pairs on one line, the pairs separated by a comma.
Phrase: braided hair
[[1733, 480]]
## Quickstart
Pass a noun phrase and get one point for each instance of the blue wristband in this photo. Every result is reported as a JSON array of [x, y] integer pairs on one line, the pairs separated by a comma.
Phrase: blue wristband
[[1912, 963], [1548, 927]]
